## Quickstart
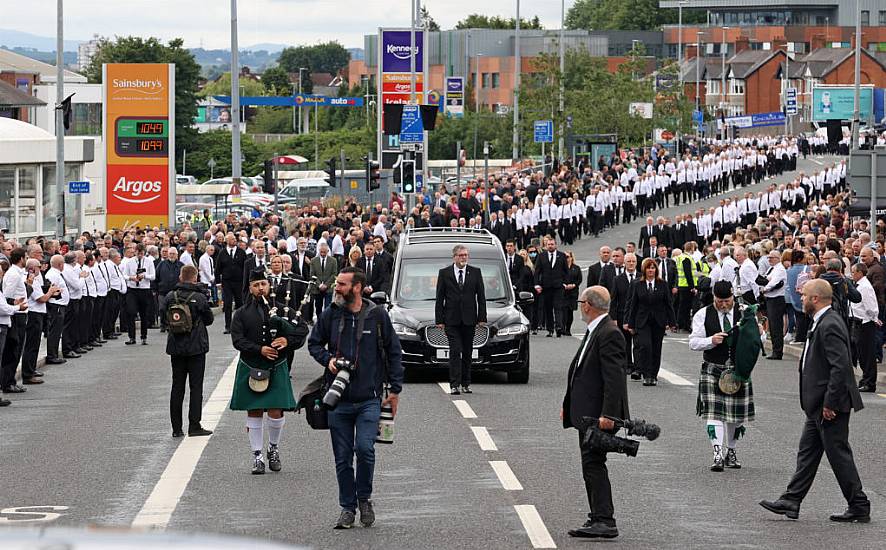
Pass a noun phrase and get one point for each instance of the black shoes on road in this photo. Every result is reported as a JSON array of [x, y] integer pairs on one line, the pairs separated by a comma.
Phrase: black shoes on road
[[595, 530], [852, 517], [347, 518], [790, 510]]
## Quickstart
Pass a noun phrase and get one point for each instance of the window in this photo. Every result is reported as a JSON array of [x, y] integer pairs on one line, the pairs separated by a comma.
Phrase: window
[[495, 80], [736, 86], [485, 80], [7, 194], [86, 120], [72, 202], [26, 204], [882, 19], [865, 18], [713, 87]]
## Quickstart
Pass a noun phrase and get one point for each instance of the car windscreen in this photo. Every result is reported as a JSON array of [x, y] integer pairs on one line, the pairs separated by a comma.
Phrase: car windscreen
[[418, 279]]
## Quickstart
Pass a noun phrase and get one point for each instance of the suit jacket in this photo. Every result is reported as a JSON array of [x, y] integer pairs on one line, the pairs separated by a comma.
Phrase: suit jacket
[[465, 305], [517, 270], [645, 233], [650, 307], [381, 277], [324, 276], [827, 379], [547, 276], [663, 234], [301, 271], [621, 293], [230, 269], [596, 383], [671, 272]]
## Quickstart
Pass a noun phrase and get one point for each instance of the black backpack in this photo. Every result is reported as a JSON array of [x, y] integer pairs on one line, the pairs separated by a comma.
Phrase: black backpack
[[178, 315]]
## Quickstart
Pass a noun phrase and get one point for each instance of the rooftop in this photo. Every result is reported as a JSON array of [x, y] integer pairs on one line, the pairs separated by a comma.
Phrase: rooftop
[[11, 129], [11, 61], [10, 96]]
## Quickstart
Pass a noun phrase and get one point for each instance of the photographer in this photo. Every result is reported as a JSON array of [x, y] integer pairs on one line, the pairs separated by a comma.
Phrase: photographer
[[596, 387], [187, 350], [352, 329]]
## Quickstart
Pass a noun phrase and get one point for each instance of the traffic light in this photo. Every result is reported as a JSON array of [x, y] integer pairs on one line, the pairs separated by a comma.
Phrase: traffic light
[[373, 170], [269, 177], [408, 168], [330, 172]]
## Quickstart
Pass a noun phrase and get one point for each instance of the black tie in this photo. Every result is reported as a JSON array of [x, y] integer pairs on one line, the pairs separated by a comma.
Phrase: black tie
[[461, 278], [369, 270], [552, 259], [322, 264], [630, 278], [510, 263]]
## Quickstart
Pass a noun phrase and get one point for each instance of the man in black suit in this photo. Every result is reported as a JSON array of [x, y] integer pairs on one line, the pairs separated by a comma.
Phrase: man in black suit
[[595, 272], [827, 395], [596, 388], [550, 276], [378, 278], [514, 262], [651, 250], [461, 306], [257, 260], [667, 268], [663, 232], [301, 266], [646, 232], [231, 259], [621, 292]]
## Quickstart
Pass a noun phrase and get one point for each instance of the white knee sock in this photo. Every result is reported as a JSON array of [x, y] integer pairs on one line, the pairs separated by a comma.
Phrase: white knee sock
[[275, 429], [255, 428], [734, 430], [715, 433]]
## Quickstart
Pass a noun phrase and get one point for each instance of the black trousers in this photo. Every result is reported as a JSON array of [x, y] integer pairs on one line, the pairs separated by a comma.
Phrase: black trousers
[[461, 348], [597, 486], [12, 351], [775, 314], [112, 310], [187, 369], [98, 317], [551, 298], [232, 293], [830, 437], [33, 335], [70, 334], [138, 302], [648, 349], [684, 307], [629, 348], [55, 323], [865, 351], [87, 307]]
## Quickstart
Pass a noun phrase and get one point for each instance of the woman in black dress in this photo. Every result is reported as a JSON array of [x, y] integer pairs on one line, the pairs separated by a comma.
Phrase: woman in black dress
[[650, 314], [570, 299]]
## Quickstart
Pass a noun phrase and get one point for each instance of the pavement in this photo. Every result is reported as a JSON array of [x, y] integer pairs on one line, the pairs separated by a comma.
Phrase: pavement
[[492, 470]]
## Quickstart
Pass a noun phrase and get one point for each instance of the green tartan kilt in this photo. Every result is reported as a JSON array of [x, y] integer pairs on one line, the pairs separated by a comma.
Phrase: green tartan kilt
[[713, 404], [278, 395]]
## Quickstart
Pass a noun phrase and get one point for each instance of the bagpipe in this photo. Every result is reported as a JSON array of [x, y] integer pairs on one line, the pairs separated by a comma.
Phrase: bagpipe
[[745, 346], [289, 324]]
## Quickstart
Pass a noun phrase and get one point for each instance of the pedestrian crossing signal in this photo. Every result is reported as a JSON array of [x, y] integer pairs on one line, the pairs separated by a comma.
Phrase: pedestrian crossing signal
[[330, 172]]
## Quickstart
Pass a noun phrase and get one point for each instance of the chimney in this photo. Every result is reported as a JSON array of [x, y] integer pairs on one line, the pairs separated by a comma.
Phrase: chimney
[[779, 43], [691, 51], [742, 43], [817, 41]]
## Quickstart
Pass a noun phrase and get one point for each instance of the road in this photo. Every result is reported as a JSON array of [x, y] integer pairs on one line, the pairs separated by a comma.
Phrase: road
[[491, 470]]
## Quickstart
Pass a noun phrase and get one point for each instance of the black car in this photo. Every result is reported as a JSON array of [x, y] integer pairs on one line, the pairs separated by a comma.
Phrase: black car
[[502, 344]]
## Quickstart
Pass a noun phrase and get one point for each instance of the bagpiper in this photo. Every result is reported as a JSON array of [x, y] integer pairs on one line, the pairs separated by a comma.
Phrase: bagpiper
[[262, 384]]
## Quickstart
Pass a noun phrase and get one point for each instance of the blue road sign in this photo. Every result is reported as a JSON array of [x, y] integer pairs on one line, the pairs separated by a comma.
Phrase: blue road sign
[[790, 102], [411, 128], [419, 183], [78, 187], [544, 131]]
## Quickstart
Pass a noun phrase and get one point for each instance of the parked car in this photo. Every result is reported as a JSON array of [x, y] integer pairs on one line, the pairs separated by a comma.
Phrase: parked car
[[303, 191], [502, 344], [185, 180]]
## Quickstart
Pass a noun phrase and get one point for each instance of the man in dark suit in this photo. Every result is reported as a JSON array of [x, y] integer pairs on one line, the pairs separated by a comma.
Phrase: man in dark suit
[[301, 267], [663, 232], [231, 259], [550, 276], [651, 250], [257, 260], [595, 272], [621, 292], [324, 266], [667, 268], [461, 306], [827, 395], [378, 278], [596, 388], [646, 232], [514, 262]]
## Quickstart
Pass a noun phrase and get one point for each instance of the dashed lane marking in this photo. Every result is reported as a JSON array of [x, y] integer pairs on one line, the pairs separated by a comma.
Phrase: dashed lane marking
[[465, 409], [161, 504], [483, 438], [506, 476], [534, 526], [882, 394], [674, 379], [444, 386]]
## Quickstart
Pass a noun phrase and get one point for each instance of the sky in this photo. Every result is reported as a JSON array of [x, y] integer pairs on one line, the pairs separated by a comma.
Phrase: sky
[[206, 23]]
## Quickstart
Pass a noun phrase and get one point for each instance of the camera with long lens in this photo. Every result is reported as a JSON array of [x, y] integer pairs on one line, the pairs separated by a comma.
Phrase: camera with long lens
[[340, 384], [605, 442]]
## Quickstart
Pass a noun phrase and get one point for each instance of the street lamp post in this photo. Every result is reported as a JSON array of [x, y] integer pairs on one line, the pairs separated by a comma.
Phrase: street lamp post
[[698, 62], [856, 115], [515, 154], [297, 127], [59, 124], [680, 5], [235, 99], [723, 81], [562, 74]]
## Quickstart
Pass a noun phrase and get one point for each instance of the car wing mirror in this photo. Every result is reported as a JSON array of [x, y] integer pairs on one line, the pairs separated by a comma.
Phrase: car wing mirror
[[380, 297], [525, 297]]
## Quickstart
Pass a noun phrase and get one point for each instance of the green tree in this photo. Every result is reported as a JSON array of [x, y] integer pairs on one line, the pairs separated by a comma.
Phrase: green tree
[[625, 15], [328, 57], [427, 21], [133, 49], [477, 21], [276, 81], [222, 86], [272, 120]]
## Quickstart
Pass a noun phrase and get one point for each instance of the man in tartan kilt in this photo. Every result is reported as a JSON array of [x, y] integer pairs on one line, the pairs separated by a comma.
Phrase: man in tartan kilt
[[725, 414]]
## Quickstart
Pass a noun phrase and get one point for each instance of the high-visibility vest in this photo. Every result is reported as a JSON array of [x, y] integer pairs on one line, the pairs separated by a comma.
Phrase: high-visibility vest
[[682, 282], [702, 269]]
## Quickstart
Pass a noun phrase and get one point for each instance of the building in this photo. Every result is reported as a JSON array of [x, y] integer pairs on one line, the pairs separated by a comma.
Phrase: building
[[86, 51], [17, 103], [748, 13]]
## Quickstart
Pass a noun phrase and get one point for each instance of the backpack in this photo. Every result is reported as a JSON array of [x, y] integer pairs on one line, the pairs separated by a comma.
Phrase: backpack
[[802, 279], [178, 315]]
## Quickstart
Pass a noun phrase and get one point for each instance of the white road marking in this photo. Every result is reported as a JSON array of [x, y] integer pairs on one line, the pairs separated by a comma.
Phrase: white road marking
[[534, 526], [161, 504], [674, 379], [444, 386], [505, 475], [817, 162], [483, 438], [31, 514], [465, 409]]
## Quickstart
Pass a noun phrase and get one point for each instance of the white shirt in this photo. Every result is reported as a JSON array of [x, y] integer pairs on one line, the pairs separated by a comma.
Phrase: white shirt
[[775, 274], [207, 269], [699, 339], [865, 311], [14, 285], [747, 277], [131, 267], [89, 287], [379, 230], [36, 293], [115, 278], [72, 279], [185, 258], [54, 276], [102, 280]]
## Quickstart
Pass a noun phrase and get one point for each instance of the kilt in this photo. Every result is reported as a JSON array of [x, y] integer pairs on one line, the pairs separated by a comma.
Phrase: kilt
[[713, 404], [278, 395]]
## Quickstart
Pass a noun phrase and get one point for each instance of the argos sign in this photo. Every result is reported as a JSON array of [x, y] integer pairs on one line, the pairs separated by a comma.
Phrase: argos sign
[[139, 103]]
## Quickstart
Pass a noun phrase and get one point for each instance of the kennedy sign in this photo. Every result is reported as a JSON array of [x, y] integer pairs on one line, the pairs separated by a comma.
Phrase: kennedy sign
[[395, 61], [395, 52], [139, 115]]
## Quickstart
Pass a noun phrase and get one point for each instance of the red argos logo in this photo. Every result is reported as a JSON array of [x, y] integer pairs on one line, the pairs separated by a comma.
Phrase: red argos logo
[[138, 188]]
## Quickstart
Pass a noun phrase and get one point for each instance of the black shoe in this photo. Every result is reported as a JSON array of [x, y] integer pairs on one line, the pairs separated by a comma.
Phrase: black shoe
[[367, 514], [635, 375], [550, 335], [5, 402], [144, 341], [274, 459], [81, 350], [71, 355], [466, 389], [258, 466], [117, 333], [162, 329], [37, 374], [731, 461], [88, 347], [199, 431], [454, 391], [55, 361], [597, 530], [345, 520], [130, 342], [559, 334], [111, 337], [867, 389], [178, 433], [101, 341], [14, 389], [790, 510], [648, 382], [534, 332], [775, 357], [717, 466], [32, 380], [852, 517]]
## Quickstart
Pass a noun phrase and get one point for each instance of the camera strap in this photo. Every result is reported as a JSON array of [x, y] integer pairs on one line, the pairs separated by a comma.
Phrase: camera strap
[[361, 319]]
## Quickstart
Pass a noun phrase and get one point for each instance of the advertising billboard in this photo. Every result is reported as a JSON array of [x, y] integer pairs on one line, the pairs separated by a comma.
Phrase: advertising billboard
[[455, 97], [394, 63], [838, 102], [139, 127]]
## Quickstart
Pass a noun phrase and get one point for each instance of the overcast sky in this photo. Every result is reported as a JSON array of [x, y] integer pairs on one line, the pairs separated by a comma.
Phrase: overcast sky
[[290, 22]]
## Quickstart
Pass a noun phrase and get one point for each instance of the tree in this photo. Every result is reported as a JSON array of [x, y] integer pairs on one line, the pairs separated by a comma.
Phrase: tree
[[477, 21], [328, 57], [222, 86], [133, 49], [276, 81], [625, 15], [427, 21]]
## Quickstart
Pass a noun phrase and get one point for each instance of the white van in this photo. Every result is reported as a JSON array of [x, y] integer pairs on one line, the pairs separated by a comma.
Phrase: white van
[[303, 191]]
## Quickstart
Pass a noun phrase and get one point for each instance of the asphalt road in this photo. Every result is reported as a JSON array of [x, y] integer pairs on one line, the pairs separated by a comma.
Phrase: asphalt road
[[491, 470]]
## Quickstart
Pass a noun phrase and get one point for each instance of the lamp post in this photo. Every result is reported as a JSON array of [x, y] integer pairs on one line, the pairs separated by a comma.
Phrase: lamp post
[[515, 153], [698, 61], [857, 103], [59, 124], [680, 5], [723, 81], [297, 127], [562, 73], [235, 99]]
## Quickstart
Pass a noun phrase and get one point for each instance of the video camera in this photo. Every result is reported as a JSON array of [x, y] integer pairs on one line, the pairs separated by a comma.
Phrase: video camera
[[603, 441]]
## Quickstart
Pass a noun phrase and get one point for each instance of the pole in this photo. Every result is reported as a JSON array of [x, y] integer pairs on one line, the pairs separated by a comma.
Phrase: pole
[[680, 40], [784, 94], [296, 111], [515, 153], [316, 142], [184, 162], [274, 183], [412, 51], [562, 73], [486, 179], [698, 61], [235, 98], [874, 191], [59, 123], [458, 167], [341, 184], [856, 122]]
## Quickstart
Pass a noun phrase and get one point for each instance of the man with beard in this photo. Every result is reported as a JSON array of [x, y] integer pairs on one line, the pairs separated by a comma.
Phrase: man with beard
[[360, 332]]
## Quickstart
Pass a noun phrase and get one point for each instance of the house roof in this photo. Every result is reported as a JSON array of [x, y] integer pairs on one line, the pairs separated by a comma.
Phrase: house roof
[[822, 61], [11, 61], [10, 96]]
